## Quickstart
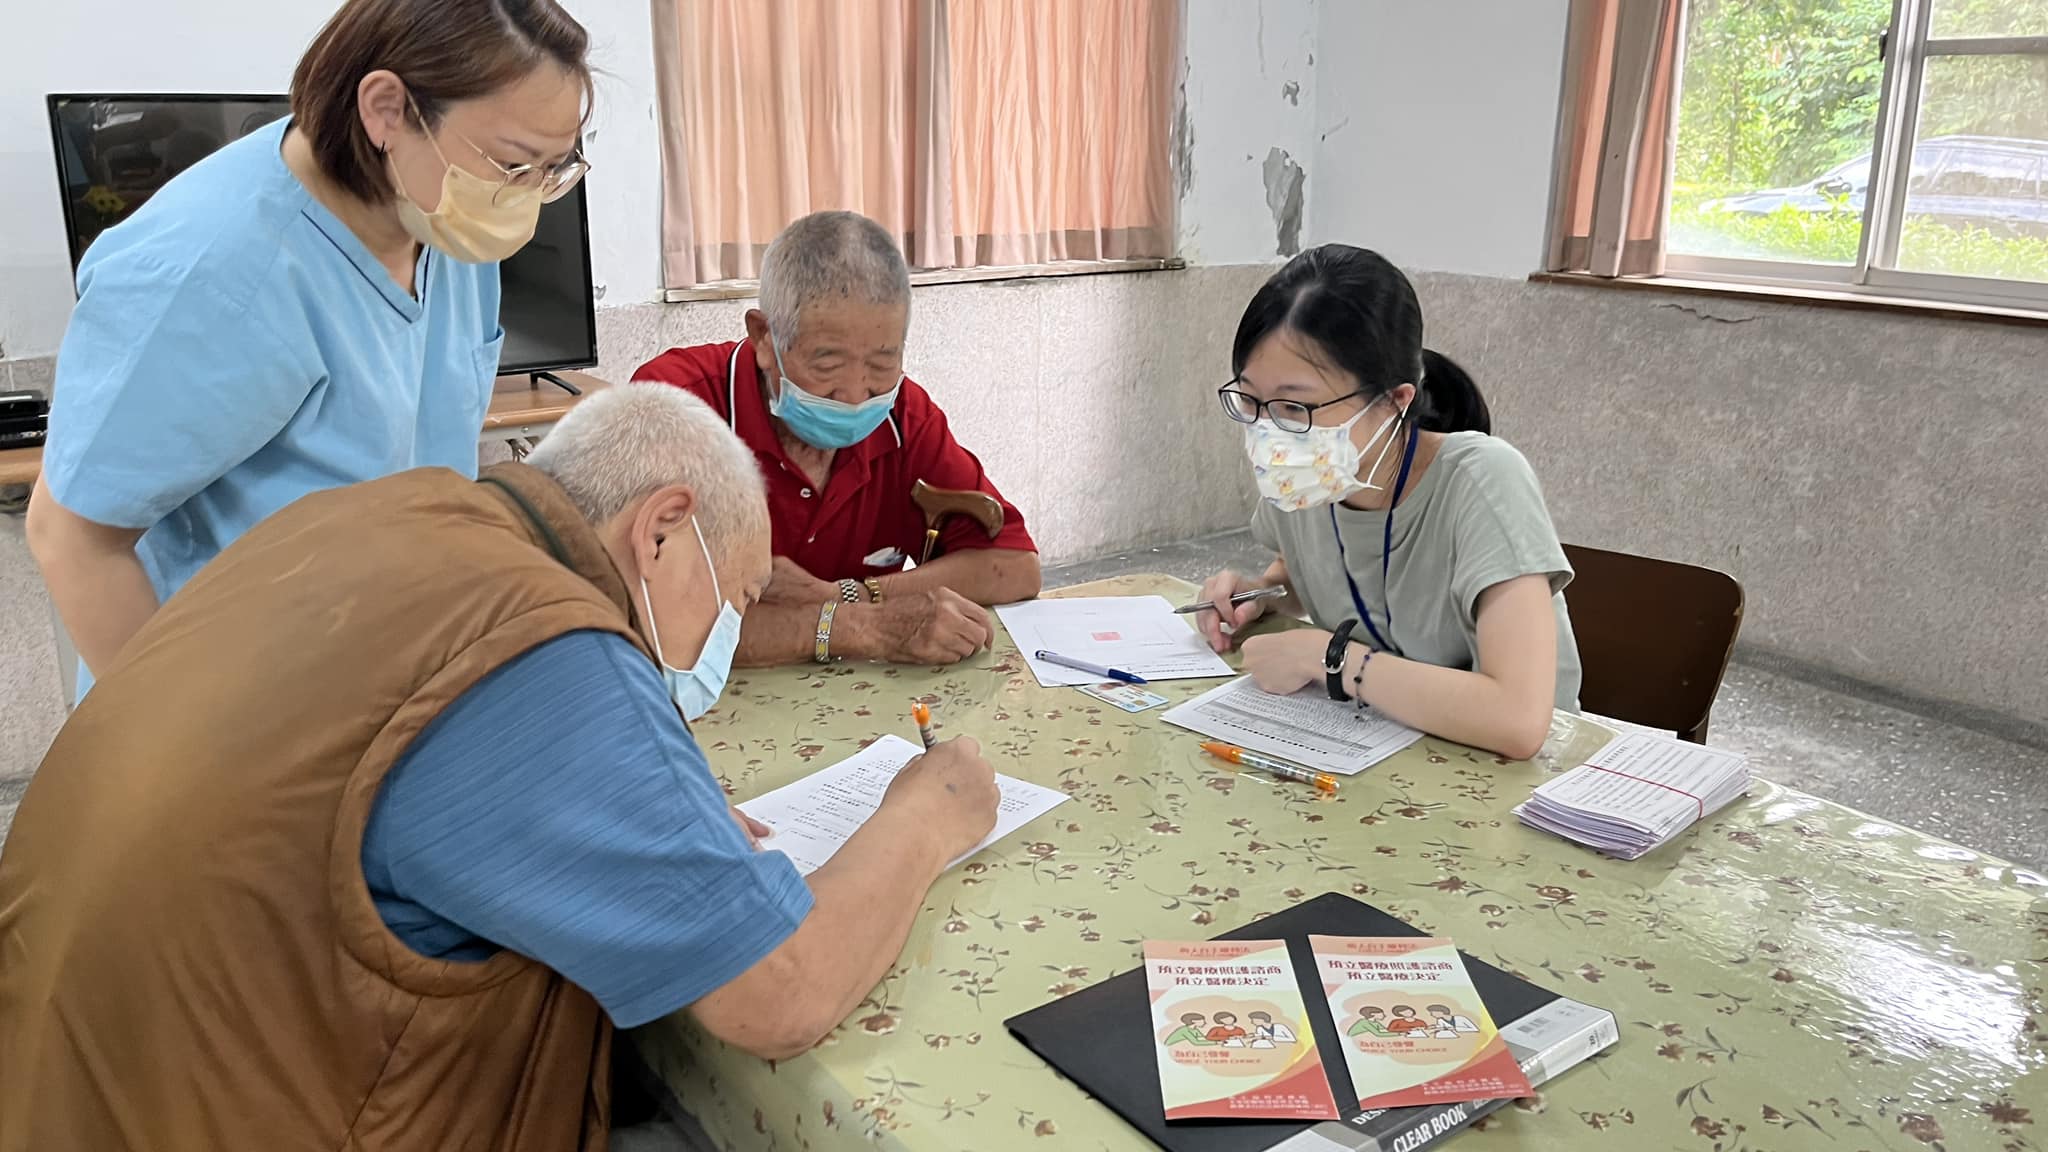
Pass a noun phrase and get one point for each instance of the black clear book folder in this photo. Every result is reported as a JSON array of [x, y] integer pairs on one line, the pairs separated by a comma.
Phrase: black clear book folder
[[1101, 1039]]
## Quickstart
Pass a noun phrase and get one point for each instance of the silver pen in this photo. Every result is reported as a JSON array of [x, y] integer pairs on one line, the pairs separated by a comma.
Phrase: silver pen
[[1241, 598]]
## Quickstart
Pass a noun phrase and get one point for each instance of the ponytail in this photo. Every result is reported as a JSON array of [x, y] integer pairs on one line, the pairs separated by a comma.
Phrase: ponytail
[[1447, 400]]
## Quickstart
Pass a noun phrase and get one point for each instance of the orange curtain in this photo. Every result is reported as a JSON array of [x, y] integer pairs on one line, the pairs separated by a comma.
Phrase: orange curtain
[[978, 131], [772, 109], [1613, 188], [1061, 110]]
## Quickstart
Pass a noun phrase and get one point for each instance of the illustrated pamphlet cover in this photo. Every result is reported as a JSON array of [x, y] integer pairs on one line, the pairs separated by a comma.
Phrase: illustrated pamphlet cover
[[1233, 1038], [1414, 1029]]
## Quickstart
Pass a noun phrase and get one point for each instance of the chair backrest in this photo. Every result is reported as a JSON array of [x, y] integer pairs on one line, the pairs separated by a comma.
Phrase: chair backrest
[[1654, 637]]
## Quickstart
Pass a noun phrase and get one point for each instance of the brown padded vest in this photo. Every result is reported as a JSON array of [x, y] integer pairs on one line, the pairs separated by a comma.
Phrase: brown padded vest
[[189, 955]]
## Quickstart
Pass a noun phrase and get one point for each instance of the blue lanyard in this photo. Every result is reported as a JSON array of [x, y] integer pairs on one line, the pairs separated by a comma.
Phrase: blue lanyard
[[1386, 553]]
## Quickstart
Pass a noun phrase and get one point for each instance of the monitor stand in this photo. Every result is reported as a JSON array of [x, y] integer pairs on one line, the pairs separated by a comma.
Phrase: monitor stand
[[534, 379]]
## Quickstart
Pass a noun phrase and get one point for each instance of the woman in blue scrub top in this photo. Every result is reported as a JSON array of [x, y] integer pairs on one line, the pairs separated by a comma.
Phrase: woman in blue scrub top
[[311, 306]]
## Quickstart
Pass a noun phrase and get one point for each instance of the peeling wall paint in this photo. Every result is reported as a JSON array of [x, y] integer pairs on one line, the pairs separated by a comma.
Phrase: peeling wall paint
[[1181, 143], [1284, 181], [1249, 91]]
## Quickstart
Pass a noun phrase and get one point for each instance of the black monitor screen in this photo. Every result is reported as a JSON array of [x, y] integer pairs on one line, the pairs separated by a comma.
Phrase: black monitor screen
[[114, 152]]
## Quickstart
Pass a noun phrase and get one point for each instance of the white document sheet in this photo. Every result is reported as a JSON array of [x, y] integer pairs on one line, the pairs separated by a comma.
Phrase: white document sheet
[[818, 813], [1308, 727], [1135, 634]]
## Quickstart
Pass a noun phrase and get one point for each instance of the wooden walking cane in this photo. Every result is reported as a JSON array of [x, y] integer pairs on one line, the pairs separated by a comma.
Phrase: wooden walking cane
[[939, 503]]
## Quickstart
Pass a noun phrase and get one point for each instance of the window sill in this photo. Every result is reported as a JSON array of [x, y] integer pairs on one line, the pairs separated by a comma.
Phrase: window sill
[[1823, 297], [747, 289]]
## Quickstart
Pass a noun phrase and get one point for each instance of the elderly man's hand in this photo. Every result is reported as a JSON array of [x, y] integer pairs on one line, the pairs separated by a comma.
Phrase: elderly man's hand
[[790, 583], [936, 627], [952, 792], [752, 829]]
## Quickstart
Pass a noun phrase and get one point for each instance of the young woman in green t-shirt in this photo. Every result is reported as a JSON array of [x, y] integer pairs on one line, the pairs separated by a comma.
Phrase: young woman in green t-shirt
[[1417, 542]]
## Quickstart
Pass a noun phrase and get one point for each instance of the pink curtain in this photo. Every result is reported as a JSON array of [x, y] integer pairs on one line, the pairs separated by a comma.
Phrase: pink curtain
[[772, 109], [978, 131], [1613, 187], [1061, 110]]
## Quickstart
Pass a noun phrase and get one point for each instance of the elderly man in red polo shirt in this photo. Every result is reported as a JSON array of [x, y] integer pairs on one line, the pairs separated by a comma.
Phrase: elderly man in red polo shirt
[[817, 390]]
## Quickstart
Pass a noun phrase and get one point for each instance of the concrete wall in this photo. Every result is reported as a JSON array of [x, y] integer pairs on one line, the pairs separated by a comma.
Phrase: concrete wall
[[1875, 481]]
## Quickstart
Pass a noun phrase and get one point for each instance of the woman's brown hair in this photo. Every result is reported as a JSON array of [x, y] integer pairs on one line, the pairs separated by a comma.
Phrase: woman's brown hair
[[444, 51]]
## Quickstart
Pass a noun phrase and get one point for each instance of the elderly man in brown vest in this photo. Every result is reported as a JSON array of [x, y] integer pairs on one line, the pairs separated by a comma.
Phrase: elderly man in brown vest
[[375, 831]]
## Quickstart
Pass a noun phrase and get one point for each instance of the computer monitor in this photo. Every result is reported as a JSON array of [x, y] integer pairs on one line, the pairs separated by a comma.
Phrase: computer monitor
[[114, 152]]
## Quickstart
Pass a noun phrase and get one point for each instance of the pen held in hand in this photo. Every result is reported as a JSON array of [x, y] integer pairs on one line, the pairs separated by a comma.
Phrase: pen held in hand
[[1096, 670], [1273, 593], [922, 713]]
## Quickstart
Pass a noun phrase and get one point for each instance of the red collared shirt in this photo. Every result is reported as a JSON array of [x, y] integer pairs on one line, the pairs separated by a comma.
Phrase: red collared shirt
[[863, 522]]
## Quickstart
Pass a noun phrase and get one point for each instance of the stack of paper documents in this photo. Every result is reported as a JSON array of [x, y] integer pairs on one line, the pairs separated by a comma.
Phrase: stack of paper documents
[[1637, 793]]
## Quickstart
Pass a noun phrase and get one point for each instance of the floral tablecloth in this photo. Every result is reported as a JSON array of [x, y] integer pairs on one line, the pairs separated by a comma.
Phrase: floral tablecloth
[[1790, 975]]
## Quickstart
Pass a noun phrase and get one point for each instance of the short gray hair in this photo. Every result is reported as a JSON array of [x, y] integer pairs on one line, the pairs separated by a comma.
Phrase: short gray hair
[[829, 255], [621, 443]]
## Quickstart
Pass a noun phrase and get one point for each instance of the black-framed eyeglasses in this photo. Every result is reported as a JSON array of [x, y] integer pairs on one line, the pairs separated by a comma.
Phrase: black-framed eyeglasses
[[1288, 415]]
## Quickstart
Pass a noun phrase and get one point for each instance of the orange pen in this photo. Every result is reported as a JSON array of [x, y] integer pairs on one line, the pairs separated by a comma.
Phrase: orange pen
[[1323, 781], [922, 713]]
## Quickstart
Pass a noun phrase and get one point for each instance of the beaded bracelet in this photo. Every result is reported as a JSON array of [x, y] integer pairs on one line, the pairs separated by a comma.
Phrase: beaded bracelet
[[1358, 678]]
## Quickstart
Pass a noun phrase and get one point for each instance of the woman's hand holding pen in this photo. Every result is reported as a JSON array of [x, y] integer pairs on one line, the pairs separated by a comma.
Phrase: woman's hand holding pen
[[1219, 628]]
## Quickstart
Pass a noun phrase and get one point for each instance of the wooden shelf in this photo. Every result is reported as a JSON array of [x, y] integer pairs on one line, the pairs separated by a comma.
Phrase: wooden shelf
[[519, 407], [520, 402], [21, 465]]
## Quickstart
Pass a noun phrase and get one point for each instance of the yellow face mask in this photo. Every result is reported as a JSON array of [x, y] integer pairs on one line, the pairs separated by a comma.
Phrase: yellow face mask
[[478, 221]]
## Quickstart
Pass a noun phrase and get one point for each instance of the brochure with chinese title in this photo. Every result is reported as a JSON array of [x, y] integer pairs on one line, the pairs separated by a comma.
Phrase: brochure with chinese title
[[1414, 1029], [1232, 1035]]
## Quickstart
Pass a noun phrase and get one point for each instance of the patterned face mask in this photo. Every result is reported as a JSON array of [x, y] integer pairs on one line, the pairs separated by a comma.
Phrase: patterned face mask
[[1297, 470]]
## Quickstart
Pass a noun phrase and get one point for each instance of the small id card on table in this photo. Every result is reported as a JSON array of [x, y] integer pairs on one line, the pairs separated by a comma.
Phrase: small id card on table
[[1128, 697]]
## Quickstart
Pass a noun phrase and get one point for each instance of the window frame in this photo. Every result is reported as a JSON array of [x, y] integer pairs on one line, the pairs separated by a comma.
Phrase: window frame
[[1874, 272]]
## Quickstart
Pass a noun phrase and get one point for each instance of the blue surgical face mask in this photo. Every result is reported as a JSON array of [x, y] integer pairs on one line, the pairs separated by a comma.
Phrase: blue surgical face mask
[[823, 422], [696, 689]]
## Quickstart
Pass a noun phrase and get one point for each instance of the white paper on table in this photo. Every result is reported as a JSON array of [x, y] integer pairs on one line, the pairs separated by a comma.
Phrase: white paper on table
[[1135, 634], [815, 815], [1308, 727]]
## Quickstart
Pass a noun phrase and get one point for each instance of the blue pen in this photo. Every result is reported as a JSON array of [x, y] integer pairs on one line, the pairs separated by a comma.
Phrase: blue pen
[[1091, 669]]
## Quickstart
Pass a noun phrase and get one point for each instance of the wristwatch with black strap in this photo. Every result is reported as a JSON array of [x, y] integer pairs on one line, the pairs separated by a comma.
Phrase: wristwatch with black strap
[[1333, 660]]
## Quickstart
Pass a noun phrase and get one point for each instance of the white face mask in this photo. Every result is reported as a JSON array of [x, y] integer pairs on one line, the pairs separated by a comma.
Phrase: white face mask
[[1297, 470], [697, 688]]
